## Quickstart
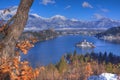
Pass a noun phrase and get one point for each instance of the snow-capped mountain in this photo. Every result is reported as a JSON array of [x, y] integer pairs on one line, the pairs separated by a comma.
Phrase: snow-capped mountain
[[37, 22], [8, 12], [62, 22]]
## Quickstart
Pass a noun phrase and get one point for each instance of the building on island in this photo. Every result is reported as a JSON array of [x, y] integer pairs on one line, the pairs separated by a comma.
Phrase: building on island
[[85, 44]]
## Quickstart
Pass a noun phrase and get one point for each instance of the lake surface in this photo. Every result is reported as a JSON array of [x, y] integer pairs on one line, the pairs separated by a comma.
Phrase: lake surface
[[50, 51]]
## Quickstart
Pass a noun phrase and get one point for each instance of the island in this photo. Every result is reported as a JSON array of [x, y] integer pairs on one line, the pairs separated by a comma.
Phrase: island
[[85, 44]]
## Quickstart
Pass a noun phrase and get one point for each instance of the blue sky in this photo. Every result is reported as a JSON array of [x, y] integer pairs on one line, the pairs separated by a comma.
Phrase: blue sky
[[77, 9]]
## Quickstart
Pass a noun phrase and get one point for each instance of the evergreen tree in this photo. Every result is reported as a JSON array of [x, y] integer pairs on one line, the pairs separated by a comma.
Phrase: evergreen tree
[[62, 65]]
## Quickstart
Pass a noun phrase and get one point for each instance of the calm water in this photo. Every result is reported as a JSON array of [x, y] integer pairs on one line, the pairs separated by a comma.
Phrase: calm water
[[51, 51]]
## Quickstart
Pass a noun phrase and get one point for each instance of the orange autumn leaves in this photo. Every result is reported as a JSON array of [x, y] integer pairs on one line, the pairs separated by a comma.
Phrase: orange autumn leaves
[[16, 69], [88, 70], [19, 70], [24, 46]]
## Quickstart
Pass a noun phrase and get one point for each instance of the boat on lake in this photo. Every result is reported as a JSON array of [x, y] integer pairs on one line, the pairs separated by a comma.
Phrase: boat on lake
[[85, 44]]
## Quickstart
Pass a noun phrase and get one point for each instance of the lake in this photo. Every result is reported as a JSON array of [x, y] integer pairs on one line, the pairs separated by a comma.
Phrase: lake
[[50, 51]]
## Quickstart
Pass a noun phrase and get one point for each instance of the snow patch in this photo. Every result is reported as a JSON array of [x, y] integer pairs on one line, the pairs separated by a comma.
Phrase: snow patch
[[59, 17], [36, 15], [73, 19], [32, 29], [104, 76]]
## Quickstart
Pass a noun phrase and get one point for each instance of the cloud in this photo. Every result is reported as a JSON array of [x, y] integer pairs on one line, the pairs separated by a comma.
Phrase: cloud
[[45, 2], [68, 6], [86, 5], [97, 16], [104, 10]]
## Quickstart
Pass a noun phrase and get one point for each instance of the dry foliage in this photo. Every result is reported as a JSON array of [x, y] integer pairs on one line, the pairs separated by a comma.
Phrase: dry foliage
[[16, 69], [24, 46], [88, 70]]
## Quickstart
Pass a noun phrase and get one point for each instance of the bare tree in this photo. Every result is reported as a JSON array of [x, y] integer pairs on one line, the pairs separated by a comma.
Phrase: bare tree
[[15, 29]]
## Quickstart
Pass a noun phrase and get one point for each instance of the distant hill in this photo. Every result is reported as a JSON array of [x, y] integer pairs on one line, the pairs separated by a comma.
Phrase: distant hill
[[112, 35], [111, 31], [41, 35]]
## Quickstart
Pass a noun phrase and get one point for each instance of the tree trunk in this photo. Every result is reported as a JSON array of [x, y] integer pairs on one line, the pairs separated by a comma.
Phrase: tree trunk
[[15, 29]]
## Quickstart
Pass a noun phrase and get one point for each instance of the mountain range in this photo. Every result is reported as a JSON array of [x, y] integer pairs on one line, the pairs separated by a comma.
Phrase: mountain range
[[36, 22]]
